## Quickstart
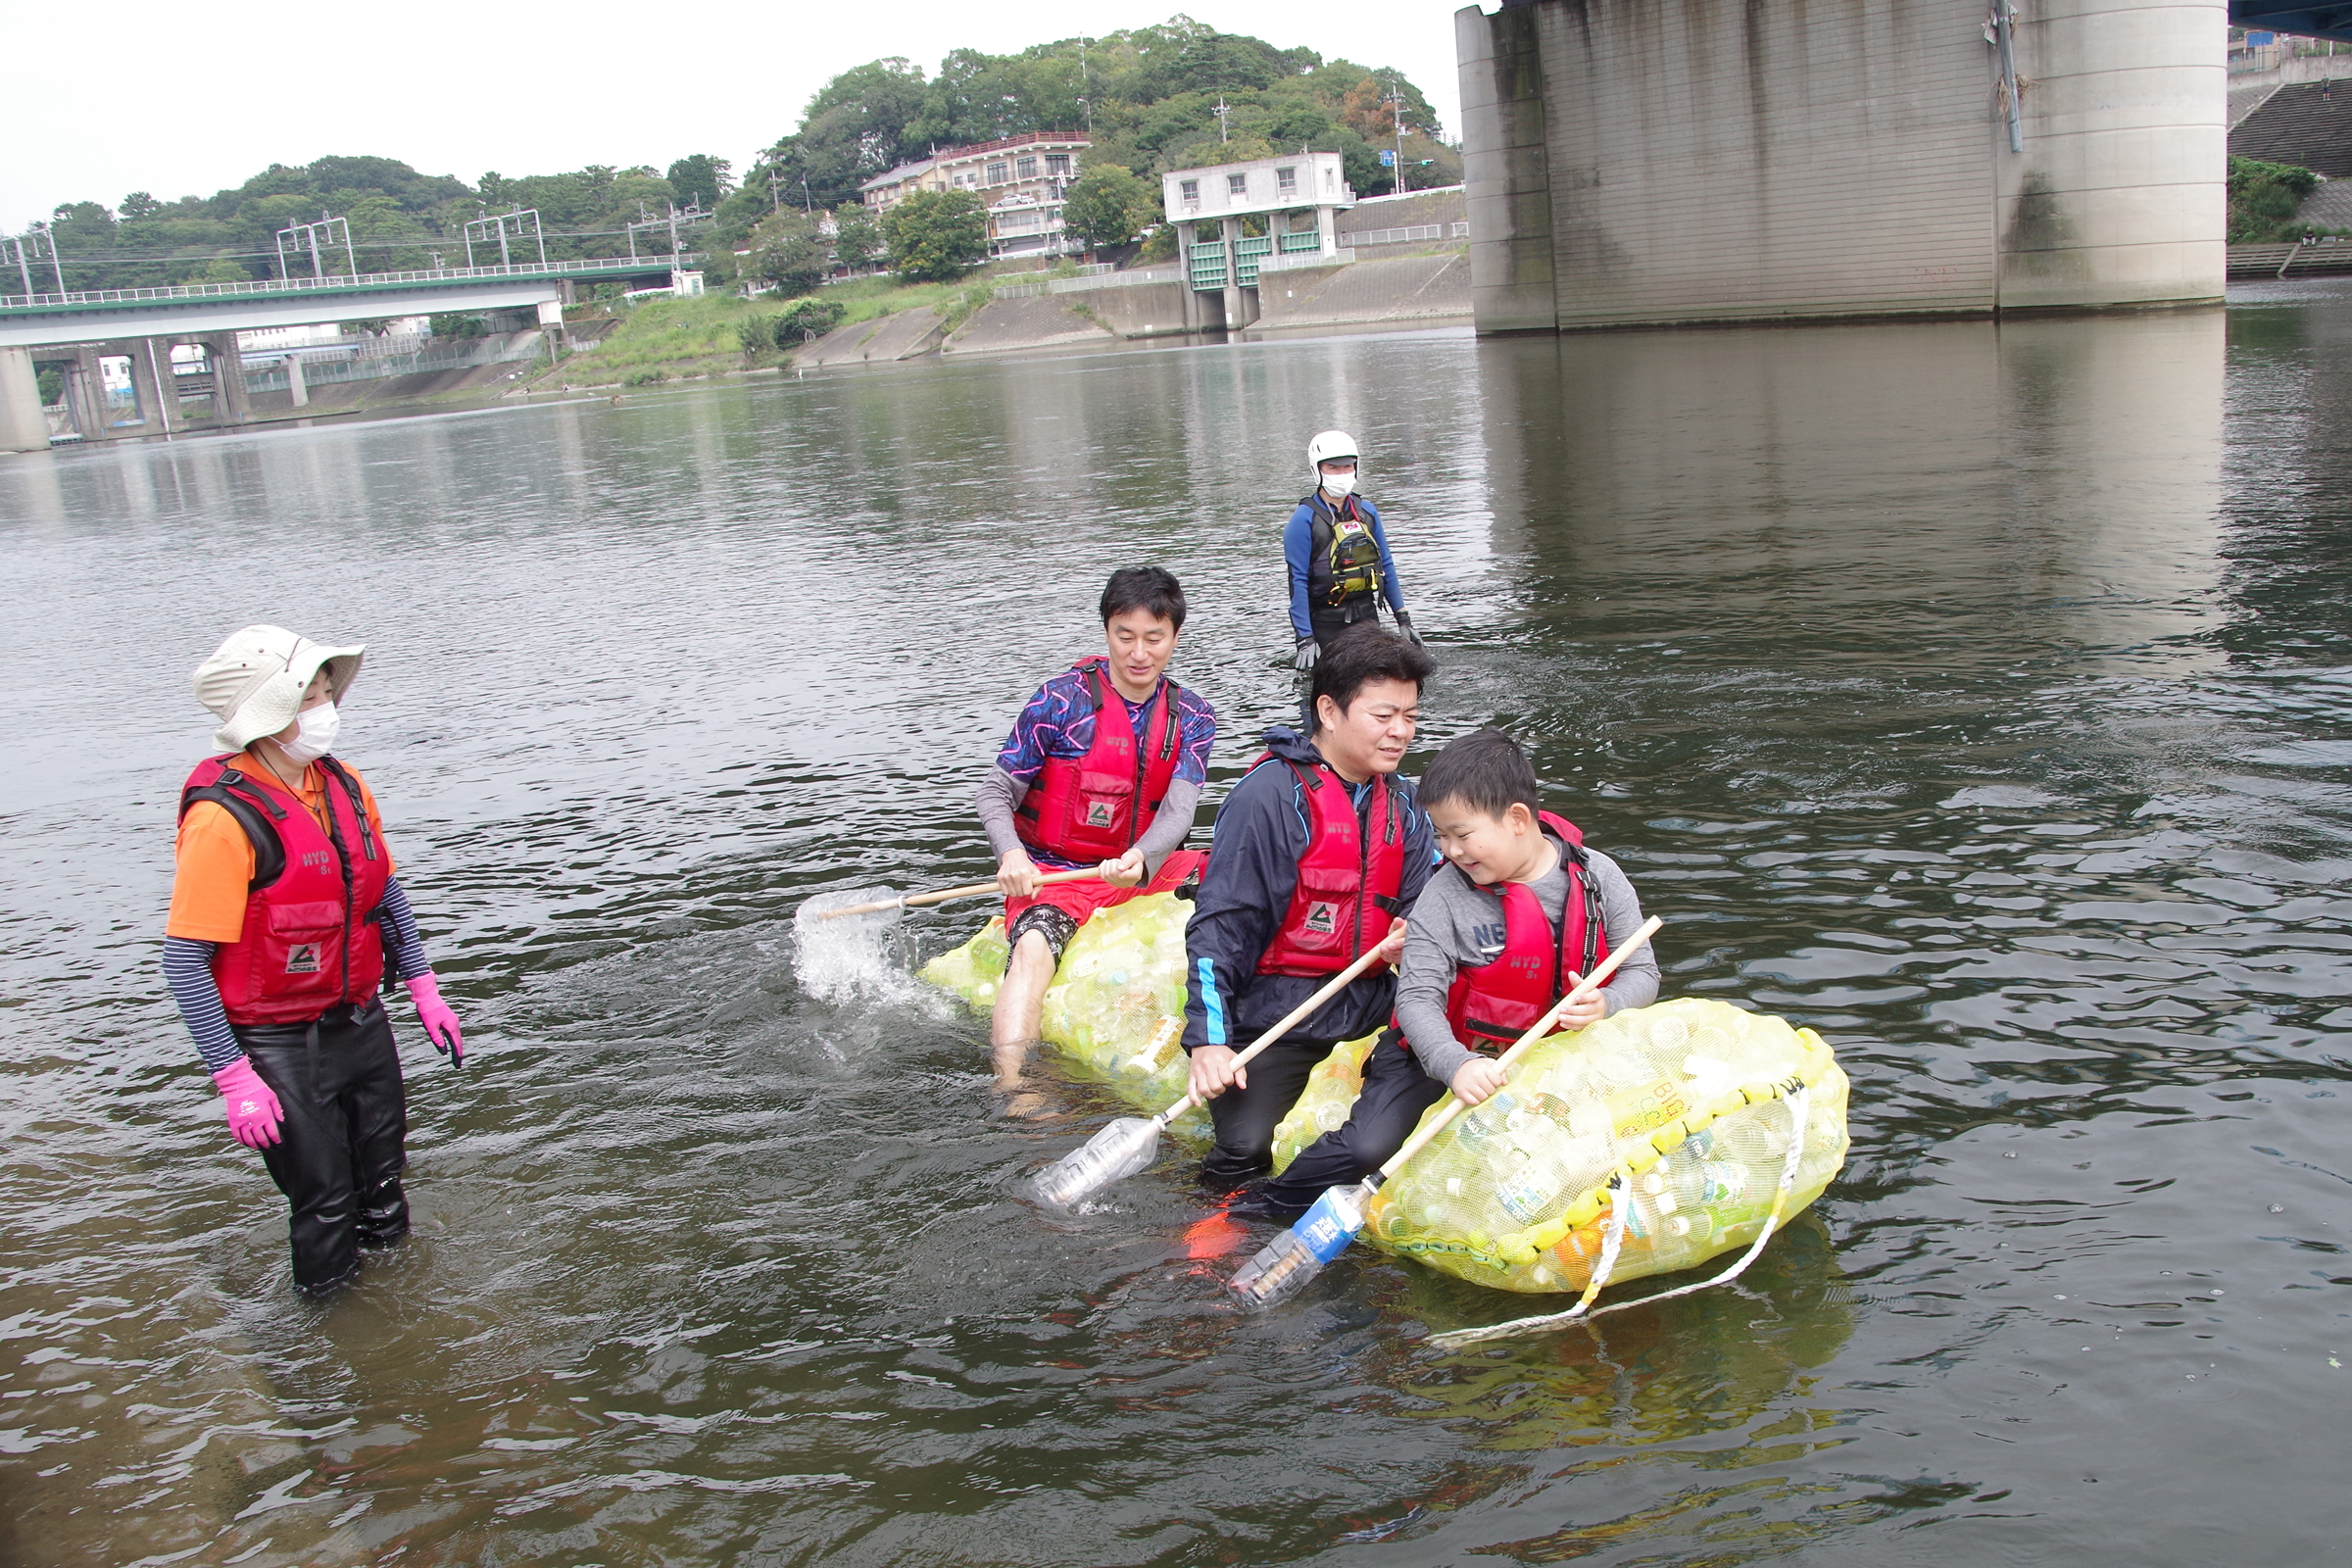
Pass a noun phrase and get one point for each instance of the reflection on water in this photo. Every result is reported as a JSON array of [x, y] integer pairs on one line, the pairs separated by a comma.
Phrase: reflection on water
[[1972, 694]]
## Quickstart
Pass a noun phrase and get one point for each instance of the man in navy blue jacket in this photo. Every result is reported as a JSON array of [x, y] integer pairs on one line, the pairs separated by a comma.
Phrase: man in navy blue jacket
[[1320, 850]]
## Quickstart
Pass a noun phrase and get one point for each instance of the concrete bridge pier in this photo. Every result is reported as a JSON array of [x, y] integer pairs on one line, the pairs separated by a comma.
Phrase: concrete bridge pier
[[23, 427], [1651, 163], [85, 388], [158, 389], [230, 404]]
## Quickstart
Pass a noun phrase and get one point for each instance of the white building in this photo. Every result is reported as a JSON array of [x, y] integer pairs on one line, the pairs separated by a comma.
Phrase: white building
[[1299, 197]]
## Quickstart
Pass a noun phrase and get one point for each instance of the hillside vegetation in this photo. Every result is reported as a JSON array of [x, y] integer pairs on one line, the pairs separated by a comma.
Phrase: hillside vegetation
[[1148, 98]]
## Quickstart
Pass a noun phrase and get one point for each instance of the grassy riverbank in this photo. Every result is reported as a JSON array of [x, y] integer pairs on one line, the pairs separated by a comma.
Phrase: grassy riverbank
[[666, 341]]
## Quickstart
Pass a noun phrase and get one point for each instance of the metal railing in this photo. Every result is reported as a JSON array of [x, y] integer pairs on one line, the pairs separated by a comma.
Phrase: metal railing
[[1095, 275], [1135, 278], [1407, 236], [262, 287]]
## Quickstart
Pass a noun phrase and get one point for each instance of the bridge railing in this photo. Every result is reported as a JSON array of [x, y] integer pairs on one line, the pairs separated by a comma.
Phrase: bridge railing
[[263, 287]]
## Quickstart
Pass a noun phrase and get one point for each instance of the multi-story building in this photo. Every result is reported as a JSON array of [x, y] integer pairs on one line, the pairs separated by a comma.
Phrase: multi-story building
[[1296, 199], [1022, 178]]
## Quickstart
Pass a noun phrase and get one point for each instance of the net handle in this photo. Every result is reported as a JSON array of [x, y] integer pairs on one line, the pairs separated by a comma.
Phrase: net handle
[[1583, 988], [1291, 1019]]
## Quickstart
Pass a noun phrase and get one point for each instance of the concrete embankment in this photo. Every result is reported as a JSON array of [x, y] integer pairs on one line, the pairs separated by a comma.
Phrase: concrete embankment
[[903, 335], [1414, 288], [1404, 288], [1042, 321]]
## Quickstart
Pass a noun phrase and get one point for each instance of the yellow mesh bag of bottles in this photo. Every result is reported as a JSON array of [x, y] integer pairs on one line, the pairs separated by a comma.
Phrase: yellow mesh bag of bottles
[[1686, 1101], [1324, 1103], [972, 970], [1114, 1012], [1687, 1097]]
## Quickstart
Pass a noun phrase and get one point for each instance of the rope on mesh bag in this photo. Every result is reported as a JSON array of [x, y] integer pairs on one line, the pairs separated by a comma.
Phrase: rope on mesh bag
[[1800, 1099], [1612, 1237]]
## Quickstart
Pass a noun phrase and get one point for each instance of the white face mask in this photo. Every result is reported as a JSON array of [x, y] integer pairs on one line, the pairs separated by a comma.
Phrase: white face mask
[[313, 735], [1340, 485]]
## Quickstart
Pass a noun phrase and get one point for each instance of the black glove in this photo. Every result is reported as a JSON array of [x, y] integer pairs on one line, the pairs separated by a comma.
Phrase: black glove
[[1310, 651], [1404, 624]]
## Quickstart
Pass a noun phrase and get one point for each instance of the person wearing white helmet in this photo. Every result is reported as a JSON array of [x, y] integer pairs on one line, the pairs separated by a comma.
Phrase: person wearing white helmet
[[285, 917], [1340, 567]]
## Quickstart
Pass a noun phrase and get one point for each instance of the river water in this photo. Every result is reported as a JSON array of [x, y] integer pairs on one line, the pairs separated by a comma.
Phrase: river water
[[1976, 696]]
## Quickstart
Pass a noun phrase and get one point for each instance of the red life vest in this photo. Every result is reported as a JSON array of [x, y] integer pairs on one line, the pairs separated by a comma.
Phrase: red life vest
[[1349, 880], [1081, 810], [311, 940], [1492, 1004]]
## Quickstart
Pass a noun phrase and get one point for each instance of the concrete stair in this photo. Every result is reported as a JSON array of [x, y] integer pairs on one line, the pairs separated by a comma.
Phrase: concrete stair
[[2302, 122]]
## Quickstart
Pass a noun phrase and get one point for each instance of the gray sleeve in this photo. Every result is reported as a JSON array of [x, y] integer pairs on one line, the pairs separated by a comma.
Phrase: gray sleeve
[[1435, 944], [1170, 823], [1635, 982], [1000, 793]]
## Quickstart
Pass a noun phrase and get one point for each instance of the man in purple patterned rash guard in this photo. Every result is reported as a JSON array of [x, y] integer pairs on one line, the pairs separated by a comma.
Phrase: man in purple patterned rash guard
[[1103, 768]]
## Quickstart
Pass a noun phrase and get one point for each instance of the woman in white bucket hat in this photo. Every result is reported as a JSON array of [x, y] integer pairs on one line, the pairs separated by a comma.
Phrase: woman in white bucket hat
[[286, 916]]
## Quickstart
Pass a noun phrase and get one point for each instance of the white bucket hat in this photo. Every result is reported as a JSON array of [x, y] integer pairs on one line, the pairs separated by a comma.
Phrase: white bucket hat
[[253, 683]]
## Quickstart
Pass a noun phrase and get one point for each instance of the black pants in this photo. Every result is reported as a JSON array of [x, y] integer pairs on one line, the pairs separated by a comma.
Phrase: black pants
[[1246, 1118], [1395, 1094], [341, 1151]]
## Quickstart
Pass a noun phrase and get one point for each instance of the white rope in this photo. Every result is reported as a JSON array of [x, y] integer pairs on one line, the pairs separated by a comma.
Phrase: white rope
[[1798, 1113], [1612, 1237], [1772, 1221]]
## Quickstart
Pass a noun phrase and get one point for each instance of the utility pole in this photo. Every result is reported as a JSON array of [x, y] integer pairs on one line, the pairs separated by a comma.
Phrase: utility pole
[[1397, 113], [1224, 124], [775, 197]]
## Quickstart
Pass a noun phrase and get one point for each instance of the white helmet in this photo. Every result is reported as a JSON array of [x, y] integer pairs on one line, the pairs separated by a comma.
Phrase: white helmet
[[1325, 447]]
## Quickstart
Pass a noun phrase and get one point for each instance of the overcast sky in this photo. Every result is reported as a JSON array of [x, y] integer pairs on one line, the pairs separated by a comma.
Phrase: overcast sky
[[182, 98]]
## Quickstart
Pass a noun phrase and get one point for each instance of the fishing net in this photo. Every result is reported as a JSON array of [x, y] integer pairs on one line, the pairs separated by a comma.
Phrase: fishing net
[[1686, 1099]]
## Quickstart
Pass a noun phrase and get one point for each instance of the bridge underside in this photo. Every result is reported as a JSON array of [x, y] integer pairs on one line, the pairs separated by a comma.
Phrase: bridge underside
[[114, 349], [44, 326], [2309, 21], [1662, 161]]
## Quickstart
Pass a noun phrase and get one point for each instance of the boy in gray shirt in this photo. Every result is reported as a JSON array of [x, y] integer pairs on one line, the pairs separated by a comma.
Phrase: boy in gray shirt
[[1501, 932]]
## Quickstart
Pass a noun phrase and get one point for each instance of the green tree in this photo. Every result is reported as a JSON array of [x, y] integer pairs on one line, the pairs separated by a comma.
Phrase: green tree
[[701, 179], [2262, 199], [139, 204], [854, 128], [937, 235], [1110, 205], [788, 253], [220, 270], [856, 237]]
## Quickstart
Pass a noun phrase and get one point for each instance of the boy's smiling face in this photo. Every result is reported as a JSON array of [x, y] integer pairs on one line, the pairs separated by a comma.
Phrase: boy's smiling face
[[1489, 849]]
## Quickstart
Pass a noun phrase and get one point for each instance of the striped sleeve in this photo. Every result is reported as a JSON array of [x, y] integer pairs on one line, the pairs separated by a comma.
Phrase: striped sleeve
[[188, 970]]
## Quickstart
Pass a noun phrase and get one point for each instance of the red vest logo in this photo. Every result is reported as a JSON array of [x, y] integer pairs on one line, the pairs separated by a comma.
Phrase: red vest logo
[[1323, 920], [302, 959], [1099, 813]]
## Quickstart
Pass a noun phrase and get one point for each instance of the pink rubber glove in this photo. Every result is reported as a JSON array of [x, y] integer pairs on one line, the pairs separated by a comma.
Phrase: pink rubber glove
[[440, 1024], [252, 1106]]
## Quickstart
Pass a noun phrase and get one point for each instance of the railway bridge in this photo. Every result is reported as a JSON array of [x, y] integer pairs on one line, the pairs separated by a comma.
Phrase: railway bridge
[[78, 332]]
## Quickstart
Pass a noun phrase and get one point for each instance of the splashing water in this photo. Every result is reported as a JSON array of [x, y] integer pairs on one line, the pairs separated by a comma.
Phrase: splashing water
[[853, 958]]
